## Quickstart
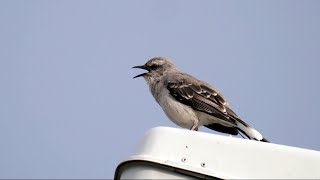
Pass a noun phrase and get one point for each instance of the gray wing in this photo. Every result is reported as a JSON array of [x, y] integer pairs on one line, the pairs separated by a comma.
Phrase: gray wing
[[203, 98]]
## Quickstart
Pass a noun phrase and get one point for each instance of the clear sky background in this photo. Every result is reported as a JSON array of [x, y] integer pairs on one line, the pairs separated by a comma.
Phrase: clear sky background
[[69, 107]]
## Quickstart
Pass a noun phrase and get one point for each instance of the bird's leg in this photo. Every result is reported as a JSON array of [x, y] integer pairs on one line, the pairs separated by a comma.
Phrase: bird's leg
[[194, 127]]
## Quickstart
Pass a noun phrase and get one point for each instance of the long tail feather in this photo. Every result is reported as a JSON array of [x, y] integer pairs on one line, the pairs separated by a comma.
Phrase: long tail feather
[[249, 132]]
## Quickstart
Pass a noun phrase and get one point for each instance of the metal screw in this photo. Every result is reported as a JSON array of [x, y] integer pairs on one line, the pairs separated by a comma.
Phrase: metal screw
[[203, 164], [183, 159]]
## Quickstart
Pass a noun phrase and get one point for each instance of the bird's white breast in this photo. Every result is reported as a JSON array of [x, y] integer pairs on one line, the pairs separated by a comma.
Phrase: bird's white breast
[[180, 114]]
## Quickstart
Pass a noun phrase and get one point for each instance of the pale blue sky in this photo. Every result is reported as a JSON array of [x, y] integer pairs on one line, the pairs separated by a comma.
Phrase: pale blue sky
[[69, 107]]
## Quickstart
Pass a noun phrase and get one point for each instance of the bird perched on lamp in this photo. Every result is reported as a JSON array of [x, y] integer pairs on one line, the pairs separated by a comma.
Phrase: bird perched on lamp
[[191, 103]]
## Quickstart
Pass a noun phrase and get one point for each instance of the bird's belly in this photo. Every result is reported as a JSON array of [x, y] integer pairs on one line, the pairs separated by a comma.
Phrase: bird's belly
[[178, 113], [206, 119]]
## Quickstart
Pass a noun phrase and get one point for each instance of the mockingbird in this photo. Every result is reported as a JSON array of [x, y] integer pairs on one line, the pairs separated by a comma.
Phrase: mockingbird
[[190, 103]]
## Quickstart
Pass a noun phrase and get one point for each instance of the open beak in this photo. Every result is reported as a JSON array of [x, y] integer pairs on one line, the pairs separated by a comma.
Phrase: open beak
[[140, 67]]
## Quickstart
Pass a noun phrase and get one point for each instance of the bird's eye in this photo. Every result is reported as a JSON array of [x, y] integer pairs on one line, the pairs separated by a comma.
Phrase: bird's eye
[[153, 67]]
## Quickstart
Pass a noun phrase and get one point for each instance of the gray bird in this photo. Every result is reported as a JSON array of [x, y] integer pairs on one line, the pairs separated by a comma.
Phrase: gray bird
[[191, 103]]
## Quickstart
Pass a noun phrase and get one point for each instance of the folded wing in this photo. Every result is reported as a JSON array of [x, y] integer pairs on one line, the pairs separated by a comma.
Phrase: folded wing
[[201, 98]]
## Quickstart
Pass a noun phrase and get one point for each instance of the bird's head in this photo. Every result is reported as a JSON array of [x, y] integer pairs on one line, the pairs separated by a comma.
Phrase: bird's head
[[156, 67]]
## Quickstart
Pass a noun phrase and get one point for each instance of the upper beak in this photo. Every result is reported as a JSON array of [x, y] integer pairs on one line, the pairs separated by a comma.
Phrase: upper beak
[[140, 67]]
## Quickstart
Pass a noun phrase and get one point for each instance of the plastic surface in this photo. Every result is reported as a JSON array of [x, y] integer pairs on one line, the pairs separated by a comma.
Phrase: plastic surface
[[222, 157]]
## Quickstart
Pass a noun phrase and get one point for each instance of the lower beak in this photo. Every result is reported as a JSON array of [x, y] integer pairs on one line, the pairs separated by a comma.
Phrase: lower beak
[[140, 67], [140, 75]]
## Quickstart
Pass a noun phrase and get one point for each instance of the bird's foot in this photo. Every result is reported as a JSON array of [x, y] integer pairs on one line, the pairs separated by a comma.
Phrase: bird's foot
[[194, 128]]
